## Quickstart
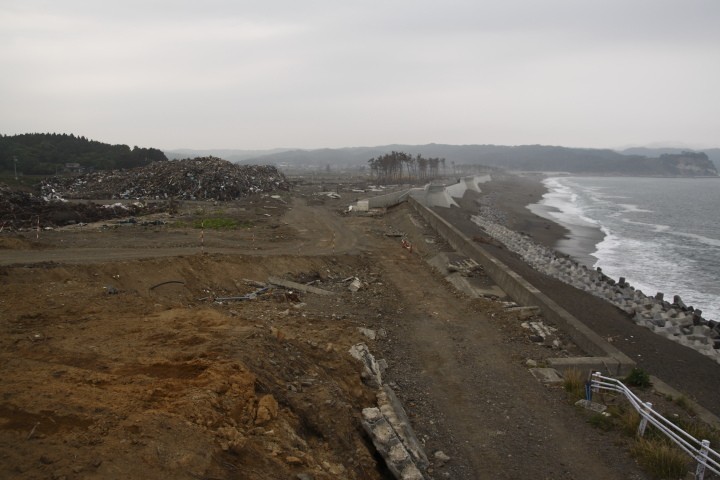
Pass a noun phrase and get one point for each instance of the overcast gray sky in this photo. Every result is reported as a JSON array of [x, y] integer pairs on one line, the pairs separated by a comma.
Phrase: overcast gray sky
[[290, 73]]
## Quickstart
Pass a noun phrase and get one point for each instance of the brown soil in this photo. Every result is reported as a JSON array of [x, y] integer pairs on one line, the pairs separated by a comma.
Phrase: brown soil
[[117, 363]]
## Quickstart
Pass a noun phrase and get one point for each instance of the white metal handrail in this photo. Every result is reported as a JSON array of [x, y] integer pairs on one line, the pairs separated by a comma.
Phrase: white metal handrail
[[698, 449]]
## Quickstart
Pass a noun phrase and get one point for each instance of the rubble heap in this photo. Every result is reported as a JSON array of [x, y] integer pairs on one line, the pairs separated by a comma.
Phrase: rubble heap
[[206, 178], [20, 210]]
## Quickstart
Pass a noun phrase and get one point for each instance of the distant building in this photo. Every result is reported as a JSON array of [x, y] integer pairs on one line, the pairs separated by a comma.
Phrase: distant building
[[73, 168]]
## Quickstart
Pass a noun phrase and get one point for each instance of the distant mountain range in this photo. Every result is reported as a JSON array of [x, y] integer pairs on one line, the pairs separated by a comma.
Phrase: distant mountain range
[[634, 161], [226, 154], [47, 153]]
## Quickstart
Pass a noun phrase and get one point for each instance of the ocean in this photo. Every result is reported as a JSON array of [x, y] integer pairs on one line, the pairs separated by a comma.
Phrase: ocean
[[661, 234]]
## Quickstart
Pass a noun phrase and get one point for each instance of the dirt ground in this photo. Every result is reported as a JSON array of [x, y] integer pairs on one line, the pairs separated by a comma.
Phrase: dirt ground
[[120, 360]]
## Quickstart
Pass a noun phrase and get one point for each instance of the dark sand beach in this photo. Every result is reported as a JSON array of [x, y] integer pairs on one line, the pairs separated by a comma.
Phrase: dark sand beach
[[685, 369], [519, 196]]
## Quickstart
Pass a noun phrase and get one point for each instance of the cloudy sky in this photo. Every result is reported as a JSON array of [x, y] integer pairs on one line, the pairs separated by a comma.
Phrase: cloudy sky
[[328, 73]]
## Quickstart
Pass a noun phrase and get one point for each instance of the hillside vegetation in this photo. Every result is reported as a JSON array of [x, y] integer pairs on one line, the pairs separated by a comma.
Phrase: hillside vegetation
[[49, 153]]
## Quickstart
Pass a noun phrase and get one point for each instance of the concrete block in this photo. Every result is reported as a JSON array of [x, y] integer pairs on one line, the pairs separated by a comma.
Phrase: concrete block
[[546, 375], [605, 365]]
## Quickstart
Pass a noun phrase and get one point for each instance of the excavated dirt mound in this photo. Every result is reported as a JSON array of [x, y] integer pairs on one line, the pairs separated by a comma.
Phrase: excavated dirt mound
[[109, 372]]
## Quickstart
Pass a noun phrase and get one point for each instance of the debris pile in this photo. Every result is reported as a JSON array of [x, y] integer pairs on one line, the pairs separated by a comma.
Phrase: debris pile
[[20, 210], [206, 178], [23, 210]]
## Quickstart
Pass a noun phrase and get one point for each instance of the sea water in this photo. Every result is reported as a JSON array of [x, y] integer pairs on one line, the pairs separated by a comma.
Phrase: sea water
[[661, 234]]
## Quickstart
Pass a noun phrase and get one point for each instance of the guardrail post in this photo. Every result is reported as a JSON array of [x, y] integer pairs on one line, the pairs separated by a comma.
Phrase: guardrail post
[[589, 390], [702, 460], [644, 421], [595, 382]]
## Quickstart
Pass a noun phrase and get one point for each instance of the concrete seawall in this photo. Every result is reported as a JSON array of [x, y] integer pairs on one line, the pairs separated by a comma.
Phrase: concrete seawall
[[389, 199], [604, 355]]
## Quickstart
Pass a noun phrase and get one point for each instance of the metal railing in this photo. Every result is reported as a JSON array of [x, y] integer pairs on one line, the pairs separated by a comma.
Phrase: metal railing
[[698, 449]]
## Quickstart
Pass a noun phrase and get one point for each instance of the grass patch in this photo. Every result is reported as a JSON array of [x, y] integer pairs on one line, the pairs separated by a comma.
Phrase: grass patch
[[220, 223], [701, 431], [638, 378], [574, 384], [660, 459], [683, 403], [602, 421], [629, 421]]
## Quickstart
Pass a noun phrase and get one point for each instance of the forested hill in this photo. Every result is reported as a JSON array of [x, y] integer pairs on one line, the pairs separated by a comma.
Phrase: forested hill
[[48, 153]]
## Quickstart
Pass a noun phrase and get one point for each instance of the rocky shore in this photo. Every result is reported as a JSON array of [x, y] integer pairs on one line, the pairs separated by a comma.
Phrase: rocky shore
[[675, 321]]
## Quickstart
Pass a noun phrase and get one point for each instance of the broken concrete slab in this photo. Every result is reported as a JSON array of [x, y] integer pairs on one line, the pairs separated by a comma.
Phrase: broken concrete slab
[[372, 369], [280, 282], [389, 445], [395, 414], [588, 405]]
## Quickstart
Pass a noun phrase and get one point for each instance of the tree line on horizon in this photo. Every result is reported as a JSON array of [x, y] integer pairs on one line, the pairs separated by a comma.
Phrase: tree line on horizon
[[398, 166], [48, 154]]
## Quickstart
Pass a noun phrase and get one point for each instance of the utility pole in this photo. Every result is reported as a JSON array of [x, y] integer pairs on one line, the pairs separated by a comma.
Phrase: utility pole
[[15, 165]]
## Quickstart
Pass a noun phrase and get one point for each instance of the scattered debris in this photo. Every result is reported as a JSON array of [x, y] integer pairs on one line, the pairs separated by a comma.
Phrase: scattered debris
[[467, 267], [24, 210], [166, 283], [249, 296], [407, 245], [329, 194], [298, 286], [523, 313], [441, 458], [542, 333], [371, 334], [355, 285]]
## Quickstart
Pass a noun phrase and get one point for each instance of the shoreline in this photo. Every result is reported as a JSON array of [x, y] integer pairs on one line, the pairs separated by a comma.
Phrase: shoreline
[[519, 197], [582, 240]]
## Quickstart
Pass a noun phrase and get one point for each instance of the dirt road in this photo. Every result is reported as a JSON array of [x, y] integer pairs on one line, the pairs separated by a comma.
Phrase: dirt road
[[450, 360]]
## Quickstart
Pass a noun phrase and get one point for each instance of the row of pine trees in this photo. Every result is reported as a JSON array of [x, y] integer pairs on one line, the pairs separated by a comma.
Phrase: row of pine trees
[[399, 166]]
